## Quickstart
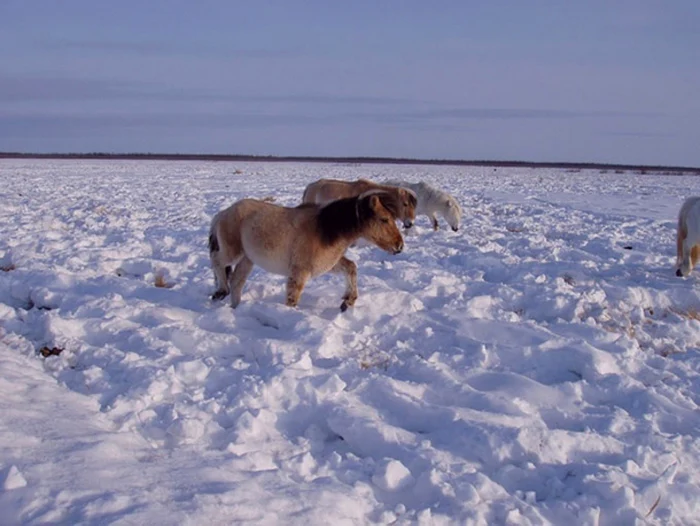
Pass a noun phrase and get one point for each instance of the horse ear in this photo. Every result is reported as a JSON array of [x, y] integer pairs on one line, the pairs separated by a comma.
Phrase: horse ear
[[449, 203], [374, 202]]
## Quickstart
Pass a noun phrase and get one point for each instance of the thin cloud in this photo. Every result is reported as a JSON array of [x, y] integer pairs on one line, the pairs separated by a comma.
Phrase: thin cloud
[[650, 135], [76, 125], [152, 47], [29, 89], [55, 88], [519, 113]]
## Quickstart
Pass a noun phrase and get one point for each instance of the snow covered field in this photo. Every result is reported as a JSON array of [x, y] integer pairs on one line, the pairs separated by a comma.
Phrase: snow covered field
[[540, 366]]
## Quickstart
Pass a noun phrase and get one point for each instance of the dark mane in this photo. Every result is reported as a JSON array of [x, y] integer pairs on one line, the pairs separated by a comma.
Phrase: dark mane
[[342, 218], [412, 199], [390, 202]]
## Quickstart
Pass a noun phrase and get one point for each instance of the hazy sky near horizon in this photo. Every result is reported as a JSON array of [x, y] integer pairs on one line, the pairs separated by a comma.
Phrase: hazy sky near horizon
[[600, 80]]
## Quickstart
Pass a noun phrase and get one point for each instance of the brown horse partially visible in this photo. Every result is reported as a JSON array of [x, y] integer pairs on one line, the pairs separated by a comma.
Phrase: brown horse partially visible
[[326, 190], [300, 242]]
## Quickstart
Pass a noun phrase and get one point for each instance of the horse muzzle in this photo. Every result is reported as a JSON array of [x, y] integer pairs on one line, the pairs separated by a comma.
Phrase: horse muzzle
[[398, 249]]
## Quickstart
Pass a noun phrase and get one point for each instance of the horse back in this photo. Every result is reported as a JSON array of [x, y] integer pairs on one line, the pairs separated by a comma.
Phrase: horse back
[[326, 190]]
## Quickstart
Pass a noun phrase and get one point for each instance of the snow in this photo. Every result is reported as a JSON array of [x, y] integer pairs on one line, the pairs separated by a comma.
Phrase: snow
[[540, 366]]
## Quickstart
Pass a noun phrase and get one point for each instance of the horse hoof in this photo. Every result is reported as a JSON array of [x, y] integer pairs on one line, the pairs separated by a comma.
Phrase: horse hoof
[[219, 295], [344, 306], [679, 273], [455, 229]]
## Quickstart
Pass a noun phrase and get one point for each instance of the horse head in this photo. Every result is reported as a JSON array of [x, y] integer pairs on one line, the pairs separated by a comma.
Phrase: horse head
[[378, 221]]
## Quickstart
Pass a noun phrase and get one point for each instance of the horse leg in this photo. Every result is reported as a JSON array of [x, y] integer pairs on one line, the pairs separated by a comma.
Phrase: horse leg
[[295, 284], [434, 221], [349, 269], [221, 275], [681, 234], [237, 279], [686, 260]]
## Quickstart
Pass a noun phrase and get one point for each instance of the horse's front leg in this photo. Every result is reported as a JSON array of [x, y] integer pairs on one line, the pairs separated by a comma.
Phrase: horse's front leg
[[349, 270], [295, 284], [434, 221], [237, 279]]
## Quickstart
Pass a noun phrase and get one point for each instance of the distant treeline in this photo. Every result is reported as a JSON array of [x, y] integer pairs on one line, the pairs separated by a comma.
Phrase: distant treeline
[[667, 170]]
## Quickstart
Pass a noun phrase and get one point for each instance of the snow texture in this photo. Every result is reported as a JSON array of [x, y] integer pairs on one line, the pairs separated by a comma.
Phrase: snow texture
[[540, 366]]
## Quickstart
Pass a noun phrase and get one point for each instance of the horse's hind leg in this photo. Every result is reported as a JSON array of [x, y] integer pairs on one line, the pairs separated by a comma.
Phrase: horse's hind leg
[[295, 284], [221, 284], [686, 259], [237, 279], [349, 269], [681, 234], [221, 275]]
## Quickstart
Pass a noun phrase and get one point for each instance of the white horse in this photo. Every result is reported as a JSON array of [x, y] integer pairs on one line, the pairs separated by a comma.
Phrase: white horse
[[688, 236], [433, 201]]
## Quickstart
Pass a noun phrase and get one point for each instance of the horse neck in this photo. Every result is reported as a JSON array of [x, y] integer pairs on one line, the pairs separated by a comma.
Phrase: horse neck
[[339, 222]]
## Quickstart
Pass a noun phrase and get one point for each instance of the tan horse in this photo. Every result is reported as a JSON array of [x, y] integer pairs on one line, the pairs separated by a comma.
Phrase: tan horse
[[300, 242], [326, 190]]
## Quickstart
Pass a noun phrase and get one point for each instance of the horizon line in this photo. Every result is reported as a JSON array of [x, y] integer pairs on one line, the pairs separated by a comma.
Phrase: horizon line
[[345, 159]]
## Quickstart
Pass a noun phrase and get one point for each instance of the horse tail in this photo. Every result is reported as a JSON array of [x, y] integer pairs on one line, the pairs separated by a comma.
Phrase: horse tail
[[213, 243], [214, 246], [681, 233]]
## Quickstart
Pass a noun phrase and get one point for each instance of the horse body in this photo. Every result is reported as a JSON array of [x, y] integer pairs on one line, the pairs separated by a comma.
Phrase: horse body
[[432, 201], [299, 243], [688, 236], [324, 191]]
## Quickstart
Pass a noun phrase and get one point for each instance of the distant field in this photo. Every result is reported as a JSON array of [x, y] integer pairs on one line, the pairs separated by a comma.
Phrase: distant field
[[606, 168], [540, 366]]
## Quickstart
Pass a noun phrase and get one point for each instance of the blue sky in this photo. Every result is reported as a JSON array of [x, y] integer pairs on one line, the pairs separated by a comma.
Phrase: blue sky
[[603, 81]]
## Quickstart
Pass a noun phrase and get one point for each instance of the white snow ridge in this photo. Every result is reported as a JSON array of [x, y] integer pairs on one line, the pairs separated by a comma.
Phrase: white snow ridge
[[539, 366]]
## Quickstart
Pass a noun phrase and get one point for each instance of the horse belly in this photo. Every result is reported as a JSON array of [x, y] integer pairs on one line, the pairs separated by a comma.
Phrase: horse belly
[[693, 224], [271, 264], [321, 267], [272, 258], [323, 262]]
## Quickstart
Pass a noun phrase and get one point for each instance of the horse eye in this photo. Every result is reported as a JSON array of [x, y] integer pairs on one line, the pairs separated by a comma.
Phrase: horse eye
[[385, 220]]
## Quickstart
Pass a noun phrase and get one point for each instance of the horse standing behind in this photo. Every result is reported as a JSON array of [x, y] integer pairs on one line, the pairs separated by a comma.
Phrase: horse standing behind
[[433, 201], [688, 236], [299, 243], [326, 190]]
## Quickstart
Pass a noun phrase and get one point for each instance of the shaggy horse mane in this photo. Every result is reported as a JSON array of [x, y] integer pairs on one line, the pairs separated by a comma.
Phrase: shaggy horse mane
[[346, 217]]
